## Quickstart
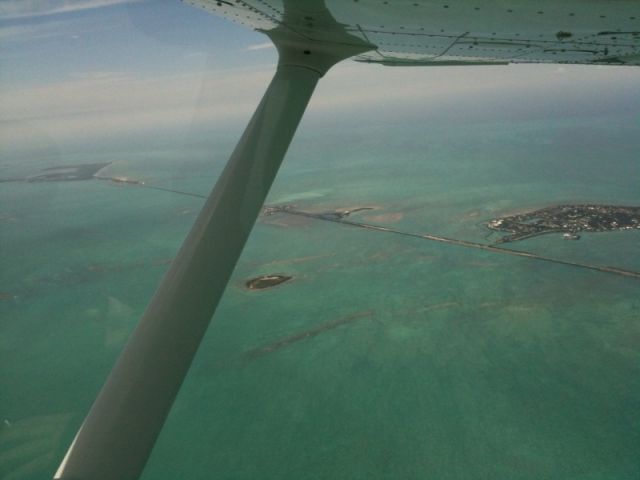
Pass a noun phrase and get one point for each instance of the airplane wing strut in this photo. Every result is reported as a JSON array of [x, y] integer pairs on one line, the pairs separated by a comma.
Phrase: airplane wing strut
[[121, 428]]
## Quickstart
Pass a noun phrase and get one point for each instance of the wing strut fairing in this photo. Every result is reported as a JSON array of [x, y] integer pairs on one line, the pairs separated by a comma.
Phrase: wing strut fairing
[[121, 428]]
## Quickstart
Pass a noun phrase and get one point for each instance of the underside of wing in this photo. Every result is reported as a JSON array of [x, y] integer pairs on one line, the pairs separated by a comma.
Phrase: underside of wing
[[456, 32]]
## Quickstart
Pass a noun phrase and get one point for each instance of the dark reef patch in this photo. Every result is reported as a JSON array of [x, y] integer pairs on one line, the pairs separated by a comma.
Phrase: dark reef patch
[[305, 334]]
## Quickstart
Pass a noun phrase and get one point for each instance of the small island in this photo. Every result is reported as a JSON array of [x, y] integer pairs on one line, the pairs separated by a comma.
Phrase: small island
[[340, 214], [266, 281], [568, 220], [62, 173], [332, 215], [66, 173]]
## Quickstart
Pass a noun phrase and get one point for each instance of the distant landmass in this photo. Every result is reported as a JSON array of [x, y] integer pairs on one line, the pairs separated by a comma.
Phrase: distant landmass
[[568, 220], [62, 173]]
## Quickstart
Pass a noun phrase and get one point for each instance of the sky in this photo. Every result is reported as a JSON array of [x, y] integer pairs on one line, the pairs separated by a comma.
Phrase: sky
[[82, 75]]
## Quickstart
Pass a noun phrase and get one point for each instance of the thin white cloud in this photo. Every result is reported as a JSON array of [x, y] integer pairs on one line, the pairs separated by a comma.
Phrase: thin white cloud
[[31, 32], [108, 104], [260, 46], [67, 27], [103, 105], [10, 9]]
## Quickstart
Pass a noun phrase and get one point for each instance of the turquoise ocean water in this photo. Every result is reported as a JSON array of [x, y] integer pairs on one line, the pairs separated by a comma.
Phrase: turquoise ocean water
[[422, 360]]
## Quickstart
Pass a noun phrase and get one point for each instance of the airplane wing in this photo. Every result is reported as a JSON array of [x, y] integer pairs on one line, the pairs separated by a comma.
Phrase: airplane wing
[[119, 432], [456, 32]]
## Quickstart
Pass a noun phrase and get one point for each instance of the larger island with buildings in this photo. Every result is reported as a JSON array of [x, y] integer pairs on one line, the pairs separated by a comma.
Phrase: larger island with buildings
[[568, 220]]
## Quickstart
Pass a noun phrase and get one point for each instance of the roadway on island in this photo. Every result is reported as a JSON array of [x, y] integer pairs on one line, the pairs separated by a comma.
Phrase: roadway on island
[[463, 243], [340, 217]]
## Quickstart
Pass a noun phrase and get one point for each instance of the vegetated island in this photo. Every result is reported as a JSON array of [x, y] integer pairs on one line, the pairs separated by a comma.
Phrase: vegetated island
[[266, 281], [568, 220]]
